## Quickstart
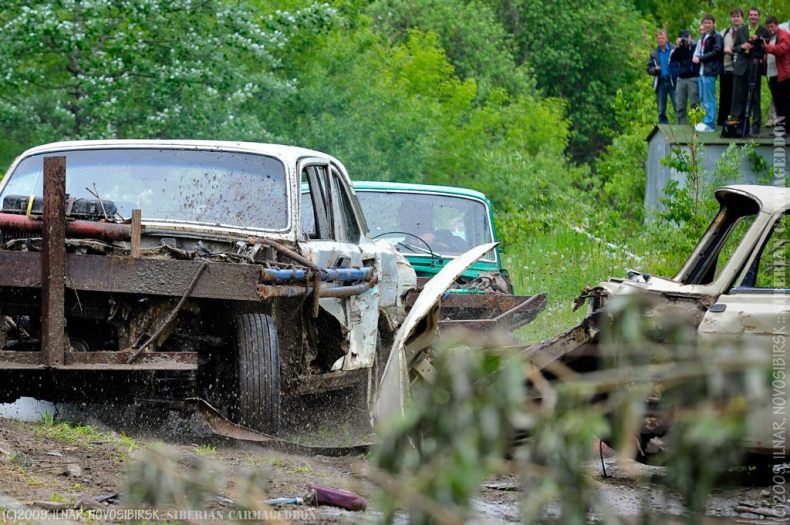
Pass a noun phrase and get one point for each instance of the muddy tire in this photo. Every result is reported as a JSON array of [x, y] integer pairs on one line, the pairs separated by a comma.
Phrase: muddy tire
[[257, 372]]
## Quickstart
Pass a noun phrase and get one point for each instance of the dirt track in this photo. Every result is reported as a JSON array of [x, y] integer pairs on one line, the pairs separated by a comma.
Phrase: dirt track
[[46, 467]]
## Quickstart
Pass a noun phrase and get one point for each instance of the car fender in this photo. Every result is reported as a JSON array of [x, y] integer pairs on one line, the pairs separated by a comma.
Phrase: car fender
[[417, 333]]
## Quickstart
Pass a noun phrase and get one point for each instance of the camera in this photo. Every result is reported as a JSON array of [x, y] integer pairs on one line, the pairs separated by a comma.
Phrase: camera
[[685, 42], [758, 42]]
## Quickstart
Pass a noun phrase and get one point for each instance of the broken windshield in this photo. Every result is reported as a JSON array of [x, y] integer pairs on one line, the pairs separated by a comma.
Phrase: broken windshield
[[169, 185], [449, 225], [724, 235]]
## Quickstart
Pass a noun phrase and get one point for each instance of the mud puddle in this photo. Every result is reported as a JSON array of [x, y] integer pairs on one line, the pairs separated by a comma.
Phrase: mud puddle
[[45, 465]]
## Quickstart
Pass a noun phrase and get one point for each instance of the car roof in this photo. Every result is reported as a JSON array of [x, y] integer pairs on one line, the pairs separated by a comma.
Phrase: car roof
[[418, 188], [286, 153], [772, 199]]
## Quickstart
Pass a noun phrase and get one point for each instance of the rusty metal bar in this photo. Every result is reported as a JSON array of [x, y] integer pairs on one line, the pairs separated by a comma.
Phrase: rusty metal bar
[[137, 231], [145, 276], [53, 262], [270, 292], [318, 383], [172, 316], [107, 231], [301, 259]]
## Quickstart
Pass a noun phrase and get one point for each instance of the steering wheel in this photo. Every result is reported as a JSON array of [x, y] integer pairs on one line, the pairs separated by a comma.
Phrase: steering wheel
[[411, 247], [446, 238]]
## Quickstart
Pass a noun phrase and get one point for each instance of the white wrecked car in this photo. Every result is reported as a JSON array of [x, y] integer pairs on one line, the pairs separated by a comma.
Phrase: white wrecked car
[[733, 288], [137, 268]]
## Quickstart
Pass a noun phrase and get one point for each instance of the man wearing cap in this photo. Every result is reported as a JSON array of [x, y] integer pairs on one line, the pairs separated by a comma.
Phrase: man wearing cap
[[686, 88]]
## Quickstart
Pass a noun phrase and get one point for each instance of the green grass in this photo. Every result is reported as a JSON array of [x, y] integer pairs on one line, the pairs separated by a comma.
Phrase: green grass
[[562, 262], [205, 450], [84, 435]]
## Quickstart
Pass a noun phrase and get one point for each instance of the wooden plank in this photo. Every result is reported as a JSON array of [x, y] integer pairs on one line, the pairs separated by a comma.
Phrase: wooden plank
[[53, 262], [137, 230]]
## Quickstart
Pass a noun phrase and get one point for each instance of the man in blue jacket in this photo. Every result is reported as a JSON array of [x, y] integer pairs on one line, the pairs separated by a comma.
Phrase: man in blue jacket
[[658, 65], [709, 56], [686, 88]]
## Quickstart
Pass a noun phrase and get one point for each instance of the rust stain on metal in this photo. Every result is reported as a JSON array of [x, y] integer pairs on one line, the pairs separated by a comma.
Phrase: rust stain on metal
[[137, 230], [107, 231], [145, 276], [220, 425], [53, 262], [486, 312]]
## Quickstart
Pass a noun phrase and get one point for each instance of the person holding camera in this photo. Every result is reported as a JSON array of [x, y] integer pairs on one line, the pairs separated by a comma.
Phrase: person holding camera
[[686, 88], [658, 65], [780, 85], [709, 58], [748, 54]]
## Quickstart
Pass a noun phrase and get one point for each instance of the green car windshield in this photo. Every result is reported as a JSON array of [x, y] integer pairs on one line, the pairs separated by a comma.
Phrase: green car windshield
[[420, 223]]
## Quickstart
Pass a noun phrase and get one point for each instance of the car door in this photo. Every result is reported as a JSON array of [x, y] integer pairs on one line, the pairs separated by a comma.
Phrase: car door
[[753, 316], [333, 234]]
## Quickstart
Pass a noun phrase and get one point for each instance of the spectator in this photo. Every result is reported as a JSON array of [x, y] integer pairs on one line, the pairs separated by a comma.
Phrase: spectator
[[771, 74], [745, 68], [658, 65], [686, 88], [780, 87], [710, 58], [725, 83]]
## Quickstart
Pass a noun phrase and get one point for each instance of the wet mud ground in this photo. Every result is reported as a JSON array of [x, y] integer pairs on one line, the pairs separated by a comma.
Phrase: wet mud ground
[[43, 467]]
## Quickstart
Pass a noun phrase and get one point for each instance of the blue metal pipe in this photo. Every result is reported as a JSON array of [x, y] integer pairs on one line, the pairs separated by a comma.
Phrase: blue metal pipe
[[274, 275]]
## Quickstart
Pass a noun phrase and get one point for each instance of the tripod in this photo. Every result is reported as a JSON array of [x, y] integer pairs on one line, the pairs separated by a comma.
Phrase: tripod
[[754, 77]]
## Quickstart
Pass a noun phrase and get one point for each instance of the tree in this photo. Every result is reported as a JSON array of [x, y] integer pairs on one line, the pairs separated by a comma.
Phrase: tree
[[125, 68], [476, 43], [583, 51]]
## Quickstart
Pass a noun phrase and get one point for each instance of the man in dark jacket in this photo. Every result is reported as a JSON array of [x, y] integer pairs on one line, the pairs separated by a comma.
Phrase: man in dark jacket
[[746, 68], [710, 59], [658, 65], [686, 88], [726, 77]]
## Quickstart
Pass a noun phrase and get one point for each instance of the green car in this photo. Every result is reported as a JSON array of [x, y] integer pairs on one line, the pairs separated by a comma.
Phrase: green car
[[430, 225]]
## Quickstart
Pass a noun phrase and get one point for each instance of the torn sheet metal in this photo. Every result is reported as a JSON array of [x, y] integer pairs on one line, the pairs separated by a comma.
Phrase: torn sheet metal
[[220, 425], [415, 336]]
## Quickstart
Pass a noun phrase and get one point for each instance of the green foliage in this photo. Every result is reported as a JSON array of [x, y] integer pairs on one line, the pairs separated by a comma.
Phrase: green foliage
[[95, 69], [690, 205], [598, 45], [369, 103], [476, 43], [458, 427], [449, 442]]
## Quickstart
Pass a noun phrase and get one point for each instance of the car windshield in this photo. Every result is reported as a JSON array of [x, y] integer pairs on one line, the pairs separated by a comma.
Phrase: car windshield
[[724, 235], [449, 225], [169, 185]]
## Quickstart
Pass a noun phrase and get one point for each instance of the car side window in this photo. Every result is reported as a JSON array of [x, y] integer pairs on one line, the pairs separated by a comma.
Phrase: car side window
[[314, 204], [346, 227], [770, 267]]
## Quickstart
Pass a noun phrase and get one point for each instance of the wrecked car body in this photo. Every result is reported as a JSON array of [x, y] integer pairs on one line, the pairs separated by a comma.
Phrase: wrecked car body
[[433, 225], [732, 290], [135, 268]]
